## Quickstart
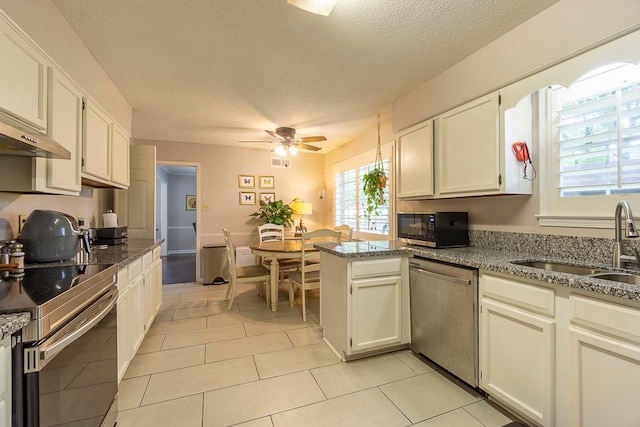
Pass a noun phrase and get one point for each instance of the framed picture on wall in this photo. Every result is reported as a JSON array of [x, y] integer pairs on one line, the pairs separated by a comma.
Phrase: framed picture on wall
[[191, 202], [246, 181], [267, 182], [267, 197], [247, 198]]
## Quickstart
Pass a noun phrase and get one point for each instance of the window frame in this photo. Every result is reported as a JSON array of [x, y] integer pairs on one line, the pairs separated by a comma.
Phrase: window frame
[[356, 162]]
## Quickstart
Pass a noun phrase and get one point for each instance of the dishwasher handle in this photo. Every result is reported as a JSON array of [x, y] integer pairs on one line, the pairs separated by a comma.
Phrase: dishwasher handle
[[433, 275]]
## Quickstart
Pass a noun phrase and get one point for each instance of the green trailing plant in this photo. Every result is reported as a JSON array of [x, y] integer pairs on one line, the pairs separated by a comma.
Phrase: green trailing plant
[[275, 212], [373, 184]]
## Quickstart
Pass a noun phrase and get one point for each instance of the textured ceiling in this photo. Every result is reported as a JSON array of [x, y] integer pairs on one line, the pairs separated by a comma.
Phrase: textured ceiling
[[219, 71]]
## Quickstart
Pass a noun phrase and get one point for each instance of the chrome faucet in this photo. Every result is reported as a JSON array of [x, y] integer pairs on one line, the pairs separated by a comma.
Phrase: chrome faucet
[[619, 260]]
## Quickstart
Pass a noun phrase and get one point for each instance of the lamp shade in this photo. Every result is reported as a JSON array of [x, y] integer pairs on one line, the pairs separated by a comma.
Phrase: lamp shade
[[319, 7], [302, 208]]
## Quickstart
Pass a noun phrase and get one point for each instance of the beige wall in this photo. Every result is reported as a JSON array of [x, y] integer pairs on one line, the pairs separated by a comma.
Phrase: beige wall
[[220, 167], [42, 21]]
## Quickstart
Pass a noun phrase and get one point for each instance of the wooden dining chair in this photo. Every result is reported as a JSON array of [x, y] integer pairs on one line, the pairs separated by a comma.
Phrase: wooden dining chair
[[308, 276], [248, 274], [347, 232], [268, 232]]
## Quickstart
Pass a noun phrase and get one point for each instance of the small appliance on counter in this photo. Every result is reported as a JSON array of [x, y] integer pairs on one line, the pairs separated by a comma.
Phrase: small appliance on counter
[[50, 236], [434, 229], [109, 236]]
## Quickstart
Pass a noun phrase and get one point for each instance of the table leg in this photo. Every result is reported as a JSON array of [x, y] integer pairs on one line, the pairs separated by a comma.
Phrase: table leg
[[275, 279]]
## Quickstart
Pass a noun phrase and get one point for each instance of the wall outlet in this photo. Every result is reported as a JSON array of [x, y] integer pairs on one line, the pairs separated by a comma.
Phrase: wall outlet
[[21, 219]]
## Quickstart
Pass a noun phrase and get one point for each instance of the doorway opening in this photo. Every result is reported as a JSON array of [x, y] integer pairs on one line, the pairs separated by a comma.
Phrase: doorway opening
[[177, 214]]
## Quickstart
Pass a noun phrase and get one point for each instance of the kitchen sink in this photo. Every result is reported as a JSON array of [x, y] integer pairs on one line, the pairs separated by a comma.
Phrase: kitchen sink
[[629, 278], [560, 267]]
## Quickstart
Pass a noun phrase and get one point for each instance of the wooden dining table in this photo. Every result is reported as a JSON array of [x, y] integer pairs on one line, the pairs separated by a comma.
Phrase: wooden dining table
[[274, 250]]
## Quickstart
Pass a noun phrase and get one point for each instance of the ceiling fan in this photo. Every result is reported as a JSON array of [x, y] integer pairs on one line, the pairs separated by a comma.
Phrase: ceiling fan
[[288, 143]]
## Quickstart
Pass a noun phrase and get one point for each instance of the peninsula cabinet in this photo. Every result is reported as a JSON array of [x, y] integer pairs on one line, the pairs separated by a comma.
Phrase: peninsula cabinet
[[364, 304], [415, 162], [559, 356], [23, 78]]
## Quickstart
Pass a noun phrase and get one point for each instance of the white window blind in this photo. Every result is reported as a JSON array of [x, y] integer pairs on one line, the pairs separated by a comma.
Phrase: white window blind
[[596, 126], [349, 203]]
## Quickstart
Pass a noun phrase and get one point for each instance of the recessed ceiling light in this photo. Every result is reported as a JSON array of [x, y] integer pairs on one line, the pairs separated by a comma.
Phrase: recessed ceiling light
[[319, 7]]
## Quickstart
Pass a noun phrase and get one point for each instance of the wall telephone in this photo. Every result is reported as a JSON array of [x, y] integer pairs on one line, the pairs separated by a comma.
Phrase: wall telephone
[[521, 151]]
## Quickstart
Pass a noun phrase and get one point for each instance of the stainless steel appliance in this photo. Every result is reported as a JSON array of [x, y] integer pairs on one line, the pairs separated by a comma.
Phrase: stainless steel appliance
[[434, 229], [16, 140], [65, 360], [444, 316]]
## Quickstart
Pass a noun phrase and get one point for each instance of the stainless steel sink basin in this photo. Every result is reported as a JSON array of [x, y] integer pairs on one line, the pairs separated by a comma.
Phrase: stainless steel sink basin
[[629, 278], [560, 267]]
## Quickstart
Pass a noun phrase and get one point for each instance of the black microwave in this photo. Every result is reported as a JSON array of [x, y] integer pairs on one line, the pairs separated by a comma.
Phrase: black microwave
[[434, 229]]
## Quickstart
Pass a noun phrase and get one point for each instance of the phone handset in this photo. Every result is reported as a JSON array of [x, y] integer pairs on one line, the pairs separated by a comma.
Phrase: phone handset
[[521, 151]]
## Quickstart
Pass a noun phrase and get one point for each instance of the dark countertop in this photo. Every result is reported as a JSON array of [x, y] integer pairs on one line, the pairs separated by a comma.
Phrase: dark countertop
[[119, 254], [491, 260]]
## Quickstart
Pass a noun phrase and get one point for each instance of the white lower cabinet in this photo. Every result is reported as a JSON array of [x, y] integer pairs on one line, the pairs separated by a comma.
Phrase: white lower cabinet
[[558, 356], [604, 368], [139, 298], [368, 308], [5, 381]]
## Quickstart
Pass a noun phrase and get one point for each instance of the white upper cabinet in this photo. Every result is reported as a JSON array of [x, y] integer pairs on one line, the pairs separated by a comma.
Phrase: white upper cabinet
[[62, 176], [23, 78], [467, 148], [97, 137], [119, 156], [415, 162]]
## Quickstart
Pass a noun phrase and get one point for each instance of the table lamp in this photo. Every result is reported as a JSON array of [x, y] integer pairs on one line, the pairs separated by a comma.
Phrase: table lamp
[[301, 208]]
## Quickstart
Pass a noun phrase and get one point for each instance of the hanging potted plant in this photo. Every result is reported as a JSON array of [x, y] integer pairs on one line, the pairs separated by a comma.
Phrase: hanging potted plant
[[275, 212], [374, 182]]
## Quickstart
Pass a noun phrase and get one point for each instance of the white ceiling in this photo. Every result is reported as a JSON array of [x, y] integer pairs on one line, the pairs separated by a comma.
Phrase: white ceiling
[[220, 71]]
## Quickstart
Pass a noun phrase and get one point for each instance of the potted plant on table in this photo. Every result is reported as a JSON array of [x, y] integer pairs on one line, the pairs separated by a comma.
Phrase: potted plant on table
[[275, 212]]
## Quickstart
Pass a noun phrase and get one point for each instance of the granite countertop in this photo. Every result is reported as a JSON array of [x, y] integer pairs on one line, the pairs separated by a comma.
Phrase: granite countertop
[[491, 260], [10, 323]]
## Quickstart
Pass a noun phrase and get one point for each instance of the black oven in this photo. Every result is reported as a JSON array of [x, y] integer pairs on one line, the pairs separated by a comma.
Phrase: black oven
[[65, 369], [434, 229]]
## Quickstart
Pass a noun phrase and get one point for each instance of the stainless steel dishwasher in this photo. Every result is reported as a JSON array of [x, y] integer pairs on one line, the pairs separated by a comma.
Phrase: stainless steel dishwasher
[[444, 316]]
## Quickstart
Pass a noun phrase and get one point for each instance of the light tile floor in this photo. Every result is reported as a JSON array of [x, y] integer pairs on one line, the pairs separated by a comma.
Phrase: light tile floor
[[201, 365]]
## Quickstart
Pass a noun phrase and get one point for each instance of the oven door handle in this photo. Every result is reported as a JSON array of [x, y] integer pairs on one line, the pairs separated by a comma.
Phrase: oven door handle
[[56, 345], [440, 276]]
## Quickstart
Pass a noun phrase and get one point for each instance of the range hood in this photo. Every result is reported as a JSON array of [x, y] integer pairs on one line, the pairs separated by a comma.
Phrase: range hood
[[16, 140]]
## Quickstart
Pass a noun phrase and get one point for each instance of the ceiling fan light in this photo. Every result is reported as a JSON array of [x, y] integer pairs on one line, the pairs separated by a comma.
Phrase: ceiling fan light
[[293, 150], [319, 7], [281, 151]]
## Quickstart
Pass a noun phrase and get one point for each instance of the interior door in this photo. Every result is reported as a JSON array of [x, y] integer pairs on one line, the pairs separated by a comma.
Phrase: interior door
[[142, 192]]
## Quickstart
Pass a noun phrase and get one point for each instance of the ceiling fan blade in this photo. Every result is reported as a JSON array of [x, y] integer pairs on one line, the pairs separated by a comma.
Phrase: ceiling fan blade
[[312, 139], [308, 147], [273, 134]]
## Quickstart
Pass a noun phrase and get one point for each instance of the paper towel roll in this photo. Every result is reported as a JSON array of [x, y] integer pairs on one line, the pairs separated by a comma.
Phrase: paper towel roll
[[110, 219]]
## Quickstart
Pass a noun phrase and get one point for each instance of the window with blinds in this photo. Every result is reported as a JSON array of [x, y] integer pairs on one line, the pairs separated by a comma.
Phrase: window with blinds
[[349, 203], [596, 130]]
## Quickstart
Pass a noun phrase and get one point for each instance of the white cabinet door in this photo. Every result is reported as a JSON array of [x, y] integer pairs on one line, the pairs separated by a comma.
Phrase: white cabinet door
[[467, 147], [119, 156], [62, 176], [517, 354], [415, 162], [375, 315], [604, 380], [23, 78], [149, 298], [96, 142], [142, 192], [157, 285], [5, 381], [136, 315]]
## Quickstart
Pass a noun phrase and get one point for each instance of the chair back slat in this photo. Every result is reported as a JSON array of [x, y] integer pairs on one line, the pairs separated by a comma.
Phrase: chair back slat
[[310, 256], [268, 232], [231, 253], [347, 232]]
